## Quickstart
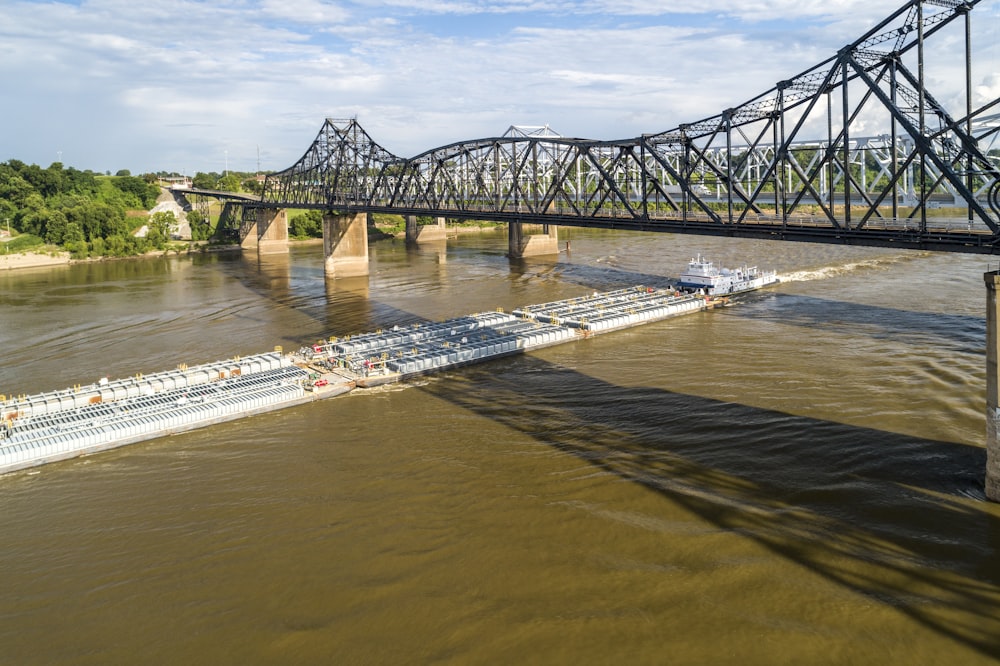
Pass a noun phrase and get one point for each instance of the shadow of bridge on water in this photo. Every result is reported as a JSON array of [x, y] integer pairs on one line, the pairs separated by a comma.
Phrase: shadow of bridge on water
[[887, 516], [898, 519]]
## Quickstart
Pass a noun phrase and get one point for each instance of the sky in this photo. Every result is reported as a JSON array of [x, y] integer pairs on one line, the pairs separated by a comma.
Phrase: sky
[[210, 85]]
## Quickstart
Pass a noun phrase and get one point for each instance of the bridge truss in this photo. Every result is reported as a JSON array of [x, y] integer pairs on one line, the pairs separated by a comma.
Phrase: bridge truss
[[756, 170]]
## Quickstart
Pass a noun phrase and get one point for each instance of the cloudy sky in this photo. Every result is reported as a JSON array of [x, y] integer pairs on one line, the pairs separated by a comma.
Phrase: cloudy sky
[[201, 85]]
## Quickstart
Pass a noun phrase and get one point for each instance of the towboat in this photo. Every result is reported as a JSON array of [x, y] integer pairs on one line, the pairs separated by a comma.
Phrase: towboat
[[703, 276]]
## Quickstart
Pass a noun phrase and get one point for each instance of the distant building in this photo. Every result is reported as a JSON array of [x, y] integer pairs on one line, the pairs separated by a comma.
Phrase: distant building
[[182, 182]]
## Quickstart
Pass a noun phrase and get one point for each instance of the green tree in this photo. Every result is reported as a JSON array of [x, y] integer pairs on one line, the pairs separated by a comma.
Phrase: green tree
[[229, 183], [73, 240], [204, 181], [98, 247], [74, 234], [33, 216], [57, 227], [306, 225], [98, 220], [201, 228], [63, 205], [123, 172], [160, 225], [116, 246], [13, 187], [8, 215], [144, 193], [45, 181], [80, 182], [253, 186]]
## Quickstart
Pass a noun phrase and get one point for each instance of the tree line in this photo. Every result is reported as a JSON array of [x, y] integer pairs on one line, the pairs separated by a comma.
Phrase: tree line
[[83, 212], [92, 214]]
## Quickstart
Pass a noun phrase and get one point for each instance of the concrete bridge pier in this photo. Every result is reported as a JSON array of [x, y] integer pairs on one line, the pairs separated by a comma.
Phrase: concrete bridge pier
[[535, 245], [345, 244], [274, 237], [992, 387], [426, 232]]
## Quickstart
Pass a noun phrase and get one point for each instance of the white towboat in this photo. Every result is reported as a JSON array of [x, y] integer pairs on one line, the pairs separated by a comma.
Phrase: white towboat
[[702, 275]]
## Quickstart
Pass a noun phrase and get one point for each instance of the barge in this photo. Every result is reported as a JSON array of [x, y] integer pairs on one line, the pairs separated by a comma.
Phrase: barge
[[58, 425]]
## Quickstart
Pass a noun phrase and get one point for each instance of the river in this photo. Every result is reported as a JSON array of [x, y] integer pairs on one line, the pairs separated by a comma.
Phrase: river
[[794, 479]]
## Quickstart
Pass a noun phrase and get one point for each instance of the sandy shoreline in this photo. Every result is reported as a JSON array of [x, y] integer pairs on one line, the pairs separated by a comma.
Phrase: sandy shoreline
[[30, 260], [38, 260]]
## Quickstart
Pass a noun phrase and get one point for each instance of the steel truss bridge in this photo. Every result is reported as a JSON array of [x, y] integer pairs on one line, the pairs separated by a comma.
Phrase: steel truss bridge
[[756, 170]]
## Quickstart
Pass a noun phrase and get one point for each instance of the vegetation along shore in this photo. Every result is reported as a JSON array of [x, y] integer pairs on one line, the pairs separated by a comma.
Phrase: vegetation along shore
[[60, 215]]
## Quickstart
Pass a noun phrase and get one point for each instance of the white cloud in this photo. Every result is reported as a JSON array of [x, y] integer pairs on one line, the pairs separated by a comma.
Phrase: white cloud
[[145, 86], [305, 11], [988, 89]]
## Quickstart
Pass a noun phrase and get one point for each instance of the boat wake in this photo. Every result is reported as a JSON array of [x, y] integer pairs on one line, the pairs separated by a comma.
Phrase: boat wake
[[874, 264], [393, 387]]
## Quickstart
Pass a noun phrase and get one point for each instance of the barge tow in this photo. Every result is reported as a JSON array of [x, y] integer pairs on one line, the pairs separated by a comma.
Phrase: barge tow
[[58, 425]]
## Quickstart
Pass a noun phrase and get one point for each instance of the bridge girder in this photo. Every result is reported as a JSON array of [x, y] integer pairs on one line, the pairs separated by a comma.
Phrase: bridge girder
[[754, 170]]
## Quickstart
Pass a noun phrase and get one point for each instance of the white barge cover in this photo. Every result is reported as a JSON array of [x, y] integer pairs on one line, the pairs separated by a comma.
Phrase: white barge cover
[[49, 434], [57, 425]]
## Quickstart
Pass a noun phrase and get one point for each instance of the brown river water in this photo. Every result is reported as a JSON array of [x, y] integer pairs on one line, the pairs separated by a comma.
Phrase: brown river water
[[795, 479]]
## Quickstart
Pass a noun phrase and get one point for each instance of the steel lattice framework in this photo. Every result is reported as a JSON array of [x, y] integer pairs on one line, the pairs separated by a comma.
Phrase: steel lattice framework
[[755, 170]]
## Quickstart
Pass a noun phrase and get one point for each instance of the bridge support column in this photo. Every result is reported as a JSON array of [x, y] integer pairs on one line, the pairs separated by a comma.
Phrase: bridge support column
[[521, 245], [992, 387], [274, 238], [345, 244], [425, 232]]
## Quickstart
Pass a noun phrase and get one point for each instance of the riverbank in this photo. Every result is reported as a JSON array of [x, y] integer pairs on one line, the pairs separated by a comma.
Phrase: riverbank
[[31, 260], [48, 259], [27, 260]]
